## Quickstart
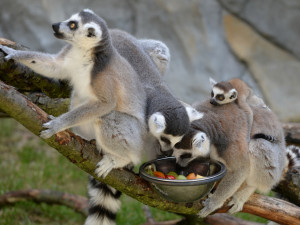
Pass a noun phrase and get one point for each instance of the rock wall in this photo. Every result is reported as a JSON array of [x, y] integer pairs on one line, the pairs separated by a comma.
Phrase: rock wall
[[253, 40]]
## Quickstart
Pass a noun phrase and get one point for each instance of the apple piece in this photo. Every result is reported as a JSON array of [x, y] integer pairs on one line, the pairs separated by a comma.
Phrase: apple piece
[[172, 173], [170, 177], [181, 177]]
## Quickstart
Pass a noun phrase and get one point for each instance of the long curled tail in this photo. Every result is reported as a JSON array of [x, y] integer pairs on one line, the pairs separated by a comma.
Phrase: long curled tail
[[104, 203], [293, 155], [264, 136]]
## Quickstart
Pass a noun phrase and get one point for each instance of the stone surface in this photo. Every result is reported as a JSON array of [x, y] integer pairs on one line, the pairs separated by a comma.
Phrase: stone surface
[[276, 71], [193, 30], [277, 20]]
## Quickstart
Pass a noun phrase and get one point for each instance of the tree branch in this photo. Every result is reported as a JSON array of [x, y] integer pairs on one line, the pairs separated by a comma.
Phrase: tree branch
[[76, 202]]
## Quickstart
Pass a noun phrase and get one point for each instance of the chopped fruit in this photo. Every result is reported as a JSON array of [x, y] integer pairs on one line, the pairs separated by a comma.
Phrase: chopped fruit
[[174, 174], [191, 176], [159, 174], [181, 177], [199, 176], [170, 177]]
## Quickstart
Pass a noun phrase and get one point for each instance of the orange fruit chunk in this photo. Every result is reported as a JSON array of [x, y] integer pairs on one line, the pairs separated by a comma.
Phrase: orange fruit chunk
[[191, 176], [159, 174]]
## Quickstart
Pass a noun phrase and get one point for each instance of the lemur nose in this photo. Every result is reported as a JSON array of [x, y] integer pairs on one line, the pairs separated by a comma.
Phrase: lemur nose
[[55, 27], [168, 153]]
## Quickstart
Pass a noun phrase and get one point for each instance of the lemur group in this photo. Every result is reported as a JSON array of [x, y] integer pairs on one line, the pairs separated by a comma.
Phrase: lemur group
[[121, 100]]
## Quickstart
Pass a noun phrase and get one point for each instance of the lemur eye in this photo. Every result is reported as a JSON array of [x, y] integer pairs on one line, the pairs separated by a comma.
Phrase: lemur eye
[[73, 25], [220, 97], [163, 139], [233, 95]]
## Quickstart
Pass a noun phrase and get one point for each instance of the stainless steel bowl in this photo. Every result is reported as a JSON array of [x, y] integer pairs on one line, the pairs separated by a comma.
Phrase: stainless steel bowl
[[183, 190]]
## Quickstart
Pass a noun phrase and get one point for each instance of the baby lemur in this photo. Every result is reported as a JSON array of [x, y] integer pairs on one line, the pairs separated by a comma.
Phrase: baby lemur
[[236, 90], [258, 167]]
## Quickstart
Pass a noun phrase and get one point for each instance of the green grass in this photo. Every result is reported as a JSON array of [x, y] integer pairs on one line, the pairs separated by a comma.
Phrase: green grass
[[27, 162]]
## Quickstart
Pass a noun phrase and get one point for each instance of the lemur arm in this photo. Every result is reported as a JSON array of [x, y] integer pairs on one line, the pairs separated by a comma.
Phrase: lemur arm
[[46, 64], [81, 114]]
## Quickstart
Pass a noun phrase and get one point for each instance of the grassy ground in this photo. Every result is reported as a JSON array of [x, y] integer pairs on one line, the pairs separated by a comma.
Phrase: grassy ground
[[27, 162]]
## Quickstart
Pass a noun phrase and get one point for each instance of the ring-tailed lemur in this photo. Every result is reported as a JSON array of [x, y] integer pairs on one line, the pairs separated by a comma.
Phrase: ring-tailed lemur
[[103, 82], [106, 92], [266, 161], [168, 119]]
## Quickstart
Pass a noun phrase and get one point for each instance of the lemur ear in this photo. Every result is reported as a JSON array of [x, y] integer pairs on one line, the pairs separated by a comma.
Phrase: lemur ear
[[233, 94], [200, 144], [212, 82], [193, 114], [157, 123]]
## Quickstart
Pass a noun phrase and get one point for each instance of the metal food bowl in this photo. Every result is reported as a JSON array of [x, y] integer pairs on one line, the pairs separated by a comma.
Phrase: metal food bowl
[[183, 190]]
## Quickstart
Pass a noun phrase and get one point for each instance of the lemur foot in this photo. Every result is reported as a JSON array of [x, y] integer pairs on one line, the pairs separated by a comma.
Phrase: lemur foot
[[237, 205], [9, 51], [209, 207], [52, 126], [105, 165]]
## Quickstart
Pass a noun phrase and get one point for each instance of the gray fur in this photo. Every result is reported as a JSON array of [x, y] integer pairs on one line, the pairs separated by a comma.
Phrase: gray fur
[[159, 97], [159, 53]]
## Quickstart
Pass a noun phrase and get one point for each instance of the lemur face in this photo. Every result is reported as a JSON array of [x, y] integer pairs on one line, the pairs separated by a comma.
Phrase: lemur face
[[220, 97], [222, 93], [157, 126], [161, 129], [85, 29], [195, 144]]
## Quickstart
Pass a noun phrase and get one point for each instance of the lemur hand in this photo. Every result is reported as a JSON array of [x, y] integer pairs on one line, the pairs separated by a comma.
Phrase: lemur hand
[[210, 205], [10, 52], [52, 126]]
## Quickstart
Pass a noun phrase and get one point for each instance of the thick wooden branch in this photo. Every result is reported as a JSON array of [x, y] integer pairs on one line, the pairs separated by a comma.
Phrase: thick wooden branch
[[226, 219], [84, 154], [76, 202]]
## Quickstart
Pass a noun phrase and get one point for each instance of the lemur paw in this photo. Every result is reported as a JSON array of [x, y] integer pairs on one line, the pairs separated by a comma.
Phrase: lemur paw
[[104, 166], [236, 206], [209, 207], [9, 51], [52, 126]]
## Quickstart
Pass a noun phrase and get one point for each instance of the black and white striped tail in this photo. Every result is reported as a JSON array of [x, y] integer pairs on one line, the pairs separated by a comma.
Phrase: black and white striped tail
[[293, 155], [104, 203], [264, 136]]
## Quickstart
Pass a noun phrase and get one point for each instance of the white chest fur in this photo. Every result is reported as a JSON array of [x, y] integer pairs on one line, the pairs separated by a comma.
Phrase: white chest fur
[[78, 64]]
